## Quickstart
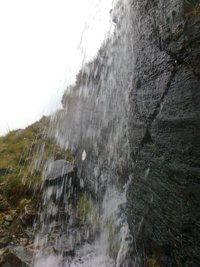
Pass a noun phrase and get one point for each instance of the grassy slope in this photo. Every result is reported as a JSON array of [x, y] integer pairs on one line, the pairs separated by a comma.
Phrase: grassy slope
[[23, 154]]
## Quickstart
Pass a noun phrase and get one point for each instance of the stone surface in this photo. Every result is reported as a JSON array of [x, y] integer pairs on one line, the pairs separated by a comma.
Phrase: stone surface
[[60, 193], [162, 197], [60, 184], [58, 169], [13, 259]]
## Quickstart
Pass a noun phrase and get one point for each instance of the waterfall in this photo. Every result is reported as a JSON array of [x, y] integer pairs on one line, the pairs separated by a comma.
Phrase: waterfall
[[111, 242], [83, 219]]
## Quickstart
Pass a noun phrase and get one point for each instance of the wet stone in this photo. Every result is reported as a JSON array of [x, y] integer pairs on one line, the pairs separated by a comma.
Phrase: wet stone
[[57, 169], [13, 260]]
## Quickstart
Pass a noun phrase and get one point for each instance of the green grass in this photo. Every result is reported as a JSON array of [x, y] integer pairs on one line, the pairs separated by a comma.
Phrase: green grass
[[192, 8], [23, 154], [113, 239]]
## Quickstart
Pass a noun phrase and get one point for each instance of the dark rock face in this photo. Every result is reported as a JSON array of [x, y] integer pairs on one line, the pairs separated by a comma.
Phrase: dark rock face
[[14, 258], [164, 190], [140, 117]]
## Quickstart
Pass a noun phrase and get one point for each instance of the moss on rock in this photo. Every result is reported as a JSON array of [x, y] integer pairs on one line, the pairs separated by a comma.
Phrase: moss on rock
[[113, 239], [86, 209]]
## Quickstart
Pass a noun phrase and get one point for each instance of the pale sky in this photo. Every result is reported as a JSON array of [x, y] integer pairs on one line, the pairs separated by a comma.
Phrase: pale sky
[[42, 46]]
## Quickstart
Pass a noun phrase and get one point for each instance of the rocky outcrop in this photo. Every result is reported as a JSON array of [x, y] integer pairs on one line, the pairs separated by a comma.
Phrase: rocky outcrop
[[164, 126], [68, 218], [57, 170], [60, 179], [15, 257]]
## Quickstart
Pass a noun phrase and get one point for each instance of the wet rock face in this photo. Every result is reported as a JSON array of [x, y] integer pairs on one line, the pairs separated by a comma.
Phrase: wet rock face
[[11, 258], [60, 186], [164, 126], [60, 179], [60, 191]]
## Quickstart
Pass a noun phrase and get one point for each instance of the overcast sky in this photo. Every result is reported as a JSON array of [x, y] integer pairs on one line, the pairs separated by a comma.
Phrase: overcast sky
[[42, 46]]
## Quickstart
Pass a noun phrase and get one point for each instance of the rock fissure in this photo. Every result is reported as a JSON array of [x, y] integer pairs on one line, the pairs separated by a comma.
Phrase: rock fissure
[[147, 136]]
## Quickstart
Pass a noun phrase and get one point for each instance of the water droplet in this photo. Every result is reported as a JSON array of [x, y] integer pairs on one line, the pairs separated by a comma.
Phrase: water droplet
[[84, 155]]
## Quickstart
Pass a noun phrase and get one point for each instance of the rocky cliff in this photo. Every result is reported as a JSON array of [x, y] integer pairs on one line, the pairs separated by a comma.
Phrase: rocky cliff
[[164, 132], [134, 112]]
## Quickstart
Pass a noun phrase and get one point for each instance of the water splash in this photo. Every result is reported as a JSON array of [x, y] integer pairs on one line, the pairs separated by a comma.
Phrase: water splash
[[108, 242], [50, 261], [93, 124]]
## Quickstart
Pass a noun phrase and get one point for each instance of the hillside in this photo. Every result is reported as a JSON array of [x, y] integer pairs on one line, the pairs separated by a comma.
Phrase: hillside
[[23, 155]]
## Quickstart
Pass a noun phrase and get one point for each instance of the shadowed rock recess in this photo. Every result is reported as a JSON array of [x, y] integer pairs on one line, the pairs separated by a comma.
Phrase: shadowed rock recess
[[135, 112]]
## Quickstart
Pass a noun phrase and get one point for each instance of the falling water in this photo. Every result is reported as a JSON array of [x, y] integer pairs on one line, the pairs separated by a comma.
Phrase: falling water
[[93, 125], [114, 237]]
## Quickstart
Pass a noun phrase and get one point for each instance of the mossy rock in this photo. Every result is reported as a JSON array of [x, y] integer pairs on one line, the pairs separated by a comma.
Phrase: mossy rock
[[86, 209], [87, 212], [113, 238], [191, 8], [152, 262], [84, 206]]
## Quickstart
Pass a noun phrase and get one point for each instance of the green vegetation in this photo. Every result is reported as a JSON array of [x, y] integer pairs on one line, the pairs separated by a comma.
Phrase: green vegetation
[[23, 154], [87, 213], [86, 210], [152, 262], [113, 239], [192, 8], [84, 206]]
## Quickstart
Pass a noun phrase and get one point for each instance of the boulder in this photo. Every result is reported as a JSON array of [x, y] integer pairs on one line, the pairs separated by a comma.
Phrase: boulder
[[12, 259], [60, 177], [57, 169]]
